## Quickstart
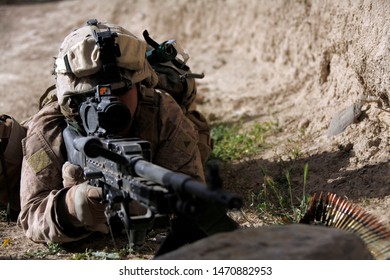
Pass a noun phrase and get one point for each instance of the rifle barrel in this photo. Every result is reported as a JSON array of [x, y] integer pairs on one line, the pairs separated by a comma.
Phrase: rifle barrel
[[185, 184]]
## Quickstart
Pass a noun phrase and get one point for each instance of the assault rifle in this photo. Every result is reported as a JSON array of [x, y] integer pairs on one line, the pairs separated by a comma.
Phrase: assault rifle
[[122, 168]]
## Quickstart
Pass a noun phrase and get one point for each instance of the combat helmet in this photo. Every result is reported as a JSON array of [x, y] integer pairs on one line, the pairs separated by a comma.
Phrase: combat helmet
[[81, 63]]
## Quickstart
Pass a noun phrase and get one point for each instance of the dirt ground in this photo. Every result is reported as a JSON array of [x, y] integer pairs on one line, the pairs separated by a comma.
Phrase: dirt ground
[[298, 63]]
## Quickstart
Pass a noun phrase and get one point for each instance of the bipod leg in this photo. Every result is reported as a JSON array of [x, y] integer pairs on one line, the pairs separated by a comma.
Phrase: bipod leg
[[183, 231]]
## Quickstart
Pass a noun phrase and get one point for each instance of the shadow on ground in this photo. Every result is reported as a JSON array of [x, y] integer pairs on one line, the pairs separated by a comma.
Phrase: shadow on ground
[[326, 172]]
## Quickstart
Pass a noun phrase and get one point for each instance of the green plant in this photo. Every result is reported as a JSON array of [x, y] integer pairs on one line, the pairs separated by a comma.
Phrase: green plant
[[51, 249], [86, 255], [106, 254], [231, 142], [299, 211], [277, 196]]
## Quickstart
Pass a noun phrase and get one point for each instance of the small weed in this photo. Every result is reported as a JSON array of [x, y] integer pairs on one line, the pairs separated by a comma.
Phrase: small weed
[[277, 194], [277, 197], [366, 201], [51, 249], [299, 211], [106, 254], [233, 143], [7, 242], [294, 149], [87, 255]]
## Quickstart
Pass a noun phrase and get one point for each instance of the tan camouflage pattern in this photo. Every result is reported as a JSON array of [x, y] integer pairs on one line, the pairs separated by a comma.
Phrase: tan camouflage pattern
[[174, 142], [11, 134], [84, 56]]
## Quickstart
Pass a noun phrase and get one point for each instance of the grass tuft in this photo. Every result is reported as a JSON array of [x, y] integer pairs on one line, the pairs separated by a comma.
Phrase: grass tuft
[[231, 142], [278, 194]]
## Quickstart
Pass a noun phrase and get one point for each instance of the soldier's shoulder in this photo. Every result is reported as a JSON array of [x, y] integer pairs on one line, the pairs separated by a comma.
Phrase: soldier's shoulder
[[168, 105], [50, 114]]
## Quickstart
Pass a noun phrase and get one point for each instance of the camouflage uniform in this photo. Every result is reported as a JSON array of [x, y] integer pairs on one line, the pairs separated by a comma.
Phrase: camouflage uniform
[[159, 120], [11, 133]]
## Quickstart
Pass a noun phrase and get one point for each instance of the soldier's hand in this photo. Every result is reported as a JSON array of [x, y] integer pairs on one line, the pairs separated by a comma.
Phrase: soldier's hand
[[85, 208], [72, 174]]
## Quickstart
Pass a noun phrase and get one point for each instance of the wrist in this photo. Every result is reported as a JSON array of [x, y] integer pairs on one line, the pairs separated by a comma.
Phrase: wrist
[[66, 210], [67, 223]]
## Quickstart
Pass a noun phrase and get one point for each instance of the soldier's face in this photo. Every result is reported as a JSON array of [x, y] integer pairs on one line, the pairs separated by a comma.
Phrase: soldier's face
[[130, 99]]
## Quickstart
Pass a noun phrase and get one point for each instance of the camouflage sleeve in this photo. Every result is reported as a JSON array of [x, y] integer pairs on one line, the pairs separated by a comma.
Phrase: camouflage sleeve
[[41, 181], [178, 144]]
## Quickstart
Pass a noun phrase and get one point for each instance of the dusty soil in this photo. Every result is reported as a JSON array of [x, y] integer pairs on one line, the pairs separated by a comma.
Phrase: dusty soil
[[298, 63]]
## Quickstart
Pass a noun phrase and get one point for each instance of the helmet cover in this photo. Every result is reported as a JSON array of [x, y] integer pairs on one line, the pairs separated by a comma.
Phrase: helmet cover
[[78, 61]]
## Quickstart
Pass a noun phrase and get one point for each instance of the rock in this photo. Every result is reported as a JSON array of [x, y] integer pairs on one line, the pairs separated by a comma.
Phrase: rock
[[279, 242], [344, 118]]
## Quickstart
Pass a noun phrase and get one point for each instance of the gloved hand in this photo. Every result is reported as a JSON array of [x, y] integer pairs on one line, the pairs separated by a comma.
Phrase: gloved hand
[[72, 174], [84, 207], [83, 202]]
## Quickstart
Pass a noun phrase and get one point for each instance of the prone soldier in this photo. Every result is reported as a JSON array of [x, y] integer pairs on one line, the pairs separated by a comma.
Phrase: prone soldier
[[57, 202]]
